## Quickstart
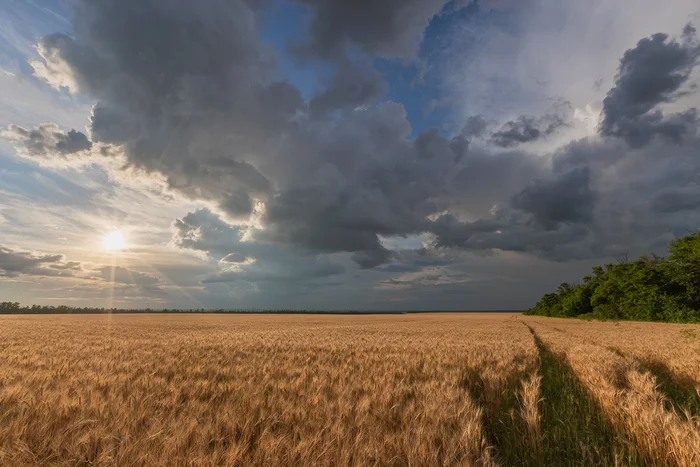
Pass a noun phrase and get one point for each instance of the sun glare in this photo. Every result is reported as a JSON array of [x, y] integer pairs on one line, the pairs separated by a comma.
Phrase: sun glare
[[114, 241]]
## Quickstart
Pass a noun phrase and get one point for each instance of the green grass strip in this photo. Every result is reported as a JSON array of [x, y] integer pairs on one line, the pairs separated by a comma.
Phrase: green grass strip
[[503, 426], [575, 431]]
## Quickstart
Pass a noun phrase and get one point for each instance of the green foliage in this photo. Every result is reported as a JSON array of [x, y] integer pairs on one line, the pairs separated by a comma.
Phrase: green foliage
[[10, 307], [648, 289]]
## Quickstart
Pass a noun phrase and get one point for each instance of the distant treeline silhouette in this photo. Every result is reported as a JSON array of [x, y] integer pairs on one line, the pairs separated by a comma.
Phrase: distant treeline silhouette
[[12, 308], [648, 289], [15, 308]]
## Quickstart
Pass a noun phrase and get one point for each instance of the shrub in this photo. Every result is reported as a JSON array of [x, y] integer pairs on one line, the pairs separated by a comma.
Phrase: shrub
[[648, 289]]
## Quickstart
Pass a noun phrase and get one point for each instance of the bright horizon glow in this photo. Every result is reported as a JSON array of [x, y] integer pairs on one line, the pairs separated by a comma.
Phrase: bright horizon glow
[[114, 241]]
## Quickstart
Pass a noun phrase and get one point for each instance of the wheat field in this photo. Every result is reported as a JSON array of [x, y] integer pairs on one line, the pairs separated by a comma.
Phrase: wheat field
[[413, 390]]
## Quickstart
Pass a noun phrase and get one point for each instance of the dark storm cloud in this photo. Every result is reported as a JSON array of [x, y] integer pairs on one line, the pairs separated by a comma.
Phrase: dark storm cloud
[[14, 263], [599, 200], [381, 184], [595, 153], [677, 199], [650, 74], [47, 140], [567, 198], [350, 88], [368, 259], [641, 130], [475, 126], [485, 178], [511, 232], [526, 129], [238, 204], [388, 28]]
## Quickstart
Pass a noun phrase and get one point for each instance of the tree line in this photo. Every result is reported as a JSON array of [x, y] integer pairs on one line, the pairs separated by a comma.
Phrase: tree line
[[15, 308], [648, 289]]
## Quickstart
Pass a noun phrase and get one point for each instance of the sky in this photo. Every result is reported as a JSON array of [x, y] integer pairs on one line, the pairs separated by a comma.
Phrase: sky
[[340, 154]]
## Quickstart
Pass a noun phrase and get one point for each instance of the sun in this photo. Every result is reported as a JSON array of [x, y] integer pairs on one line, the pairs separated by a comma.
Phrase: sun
[[114, 241]]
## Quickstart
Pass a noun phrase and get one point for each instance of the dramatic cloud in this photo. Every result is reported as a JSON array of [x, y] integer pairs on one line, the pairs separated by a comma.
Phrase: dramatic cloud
[[415, 260], [204, 232], [212, 119], [526, 129], [192, 95], [568, 198], [291, 191], [677, 199], [243, 259], [650, 74], [475, 126], [47, 140], [485, 179], [591, 197], [372, 180], [14, 263], [350, 88], [593, 203], [391, 29]]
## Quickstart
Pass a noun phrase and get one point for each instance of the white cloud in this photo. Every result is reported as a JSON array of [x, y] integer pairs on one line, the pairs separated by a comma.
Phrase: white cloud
[[515, 61]]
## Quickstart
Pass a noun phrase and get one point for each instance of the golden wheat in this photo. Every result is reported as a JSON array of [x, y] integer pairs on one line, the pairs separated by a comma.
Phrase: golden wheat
[[627, 394], [675, 346], [233, 390], [427, 389]]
